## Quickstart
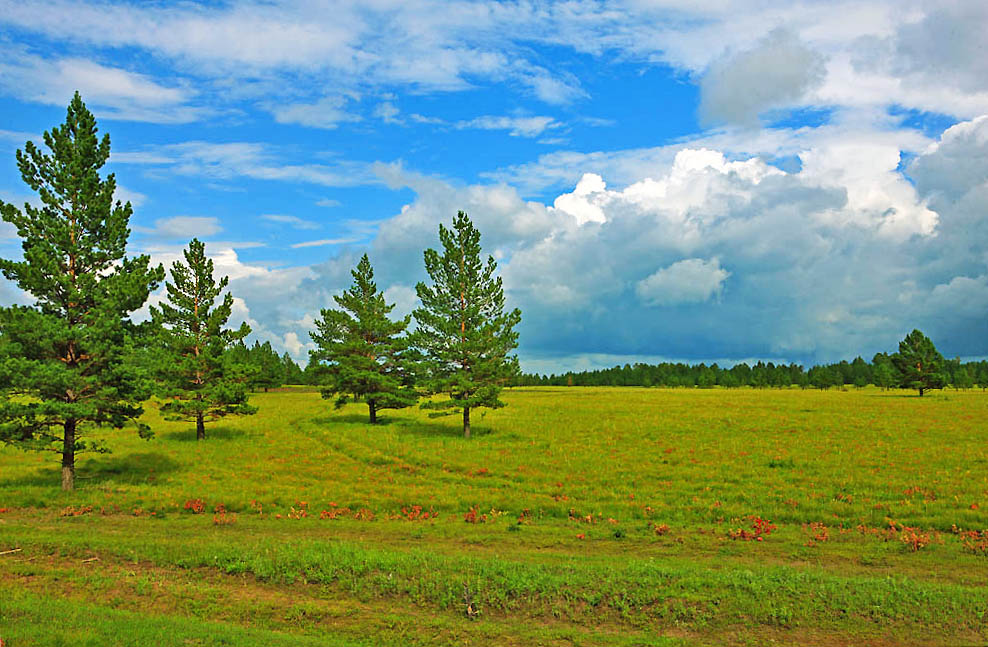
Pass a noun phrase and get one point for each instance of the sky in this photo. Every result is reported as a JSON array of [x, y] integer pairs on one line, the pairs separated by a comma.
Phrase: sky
[[658, 179]]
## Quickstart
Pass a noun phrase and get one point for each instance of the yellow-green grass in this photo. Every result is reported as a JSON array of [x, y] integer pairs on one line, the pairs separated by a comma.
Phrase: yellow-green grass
[[627, 498]]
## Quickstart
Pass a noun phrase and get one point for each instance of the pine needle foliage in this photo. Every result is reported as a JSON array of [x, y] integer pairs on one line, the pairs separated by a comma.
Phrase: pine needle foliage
[[197, 384], [463, 330], [364, 352], [62, 368], [919, 363]]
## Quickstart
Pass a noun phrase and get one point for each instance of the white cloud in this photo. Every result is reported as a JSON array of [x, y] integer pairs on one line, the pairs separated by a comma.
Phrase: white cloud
[[323, 242], [818, 258], [956, 162], [244, 159], [135, 198], [326, 113], [328, 203], [292, 221], [750, 54], [581, 202], [517, 126], [777, 72], [692, 280], [387, 112], [19, 137], [183, 227], [112, 93], [294, 346], [404, 298]]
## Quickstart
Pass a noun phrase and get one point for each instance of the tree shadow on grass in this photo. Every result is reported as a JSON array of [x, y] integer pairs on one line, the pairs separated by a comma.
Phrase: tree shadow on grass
[[212, 433], [145, 468], [418, 427], [911, 395], [436, 430], [383, 420]]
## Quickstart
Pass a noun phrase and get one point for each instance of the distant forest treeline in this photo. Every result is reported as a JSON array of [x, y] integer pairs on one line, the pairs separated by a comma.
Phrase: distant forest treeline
[[879, 372]]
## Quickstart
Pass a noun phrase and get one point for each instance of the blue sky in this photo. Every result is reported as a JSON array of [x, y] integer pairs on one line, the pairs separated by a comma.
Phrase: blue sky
[[658, 179]]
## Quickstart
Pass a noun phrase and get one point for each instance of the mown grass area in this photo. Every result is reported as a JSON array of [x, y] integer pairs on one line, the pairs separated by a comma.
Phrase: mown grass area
[[596, 517]]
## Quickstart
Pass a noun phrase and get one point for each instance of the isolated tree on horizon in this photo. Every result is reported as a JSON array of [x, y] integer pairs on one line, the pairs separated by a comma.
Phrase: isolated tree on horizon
[[196, 382], [463, 329], [365, 353], [919, 363], [61, 359]]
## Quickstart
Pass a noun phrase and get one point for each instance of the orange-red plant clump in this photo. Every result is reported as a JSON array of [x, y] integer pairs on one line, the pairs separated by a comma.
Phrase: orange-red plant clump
[[760, 528]]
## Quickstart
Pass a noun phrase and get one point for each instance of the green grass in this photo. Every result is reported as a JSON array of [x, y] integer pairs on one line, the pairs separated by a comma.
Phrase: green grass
[[568, 486]]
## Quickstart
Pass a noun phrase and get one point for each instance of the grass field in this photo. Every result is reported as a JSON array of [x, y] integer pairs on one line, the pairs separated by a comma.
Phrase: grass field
[[580, 516]]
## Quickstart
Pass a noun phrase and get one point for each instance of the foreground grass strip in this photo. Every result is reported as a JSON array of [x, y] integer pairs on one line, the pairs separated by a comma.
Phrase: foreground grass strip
[[674, 592], [303, 610], [40, 620]]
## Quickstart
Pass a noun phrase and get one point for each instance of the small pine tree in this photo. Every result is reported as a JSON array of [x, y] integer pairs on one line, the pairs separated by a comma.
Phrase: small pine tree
[[963, 379], [983, 379], [919, 363], [66, 353], [293, 373], [884, 375], [196, 382], [463, 329], [366, 356]]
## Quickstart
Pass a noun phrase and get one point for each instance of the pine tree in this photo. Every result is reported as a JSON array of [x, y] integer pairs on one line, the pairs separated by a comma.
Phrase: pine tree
[[197, 384], [293, 372], [919, 363], [462, 327], [884, 375], [364, 353], [63, 357], [268, 369], [962, 379]]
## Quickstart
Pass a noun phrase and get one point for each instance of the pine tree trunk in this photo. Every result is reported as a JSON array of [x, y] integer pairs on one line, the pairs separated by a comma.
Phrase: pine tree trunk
[[373, 411], [200, 427], [920, 391], [466, 422], [68, 455]]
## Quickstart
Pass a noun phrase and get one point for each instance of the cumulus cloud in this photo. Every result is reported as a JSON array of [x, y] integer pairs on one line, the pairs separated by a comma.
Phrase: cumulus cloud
[[945, 45], [582, 202], [777, 72], [709, 255], [692, 280], [844, 252]]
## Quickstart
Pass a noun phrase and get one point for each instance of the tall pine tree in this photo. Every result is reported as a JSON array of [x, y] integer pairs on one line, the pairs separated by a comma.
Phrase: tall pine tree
[[366, 357], [919, 363], [62, 358], [197, 383], [463, 329]]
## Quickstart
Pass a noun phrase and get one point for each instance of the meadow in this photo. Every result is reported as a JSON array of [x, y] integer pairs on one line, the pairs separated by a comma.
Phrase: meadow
[[574, 516]]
